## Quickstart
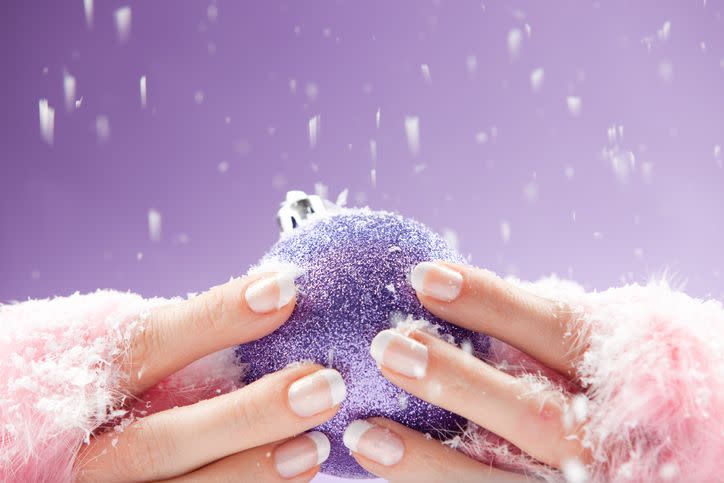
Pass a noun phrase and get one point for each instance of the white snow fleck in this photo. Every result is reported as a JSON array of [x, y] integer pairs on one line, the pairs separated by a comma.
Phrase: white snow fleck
[[279, 181], [47, 121], [451, 238], [505, 231], [311, 90], [574, 105], [142, 86], [528, 30], [530, 191], [321, 190], [293, 86], [647, 171], [139, 256], [569, 172], [88, 9], [717, 151], [373, 150], [515, 39], [668, 471], [481, 137], [412, 131], [69, 90], [212, 13], [418, 168], [342, 198], [638, 252], [123, 23], [377, 117], [373, 177], [313, 130], [425, 69], [665, 31], [536, 79], [199, 97], [467, 346], [574, 471], [223, 167], [390, 287], [154, 225], [597, 235], [666, 70], [579, 406], [103, 128], [471, 63]]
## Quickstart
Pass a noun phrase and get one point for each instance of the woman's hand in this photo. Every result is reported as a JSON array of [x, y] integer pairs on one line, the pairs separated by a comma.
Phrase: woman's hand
[[240, 436], [544, 424]]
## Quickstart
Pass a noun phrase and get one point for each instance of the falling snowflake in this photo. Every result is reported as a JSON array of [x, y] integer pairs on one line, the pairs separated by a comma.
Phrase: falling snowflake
[[515, 39], [412, 132], [47, 121], [142, 86], [123, 23], [314, 124], [103, 128], [505, 231], [154, 225], [574, 105], [69, 91], [536, 79], [471, 63], [425, 69]]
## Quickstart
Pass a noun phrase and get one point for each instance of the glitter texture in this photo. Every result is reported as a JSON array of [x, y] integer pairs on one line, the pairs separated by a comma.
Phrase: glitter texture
[[349, 262]]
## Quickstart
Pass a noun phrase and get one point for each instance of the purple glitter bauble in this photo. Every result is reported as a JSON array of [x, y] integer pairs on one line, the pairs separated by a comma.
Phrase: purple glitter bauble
[[355, 267]]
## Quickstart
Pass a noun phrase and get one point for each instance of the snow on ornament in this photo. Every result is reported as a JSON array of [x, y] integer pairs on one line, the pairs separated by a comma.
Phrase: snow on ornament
[[346, 260]]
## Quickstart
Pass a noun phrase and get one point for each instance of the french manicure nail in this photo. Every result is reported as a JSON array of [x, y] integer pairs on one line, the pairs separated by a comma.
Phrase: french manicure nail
[[301, 454], [399, 353], [374, 442], [436, 281], [317, 392], [270, 293]]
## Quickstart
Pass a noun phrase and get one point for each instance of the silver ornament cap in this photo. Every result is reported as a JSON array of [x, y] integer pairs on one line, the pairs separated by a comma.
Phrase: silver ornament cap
[[298, 208]]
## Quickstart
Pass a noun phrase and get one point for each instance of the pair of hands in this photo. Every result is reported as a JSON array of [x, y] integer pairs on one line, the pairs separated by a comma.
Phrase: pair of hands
[[257, 433]]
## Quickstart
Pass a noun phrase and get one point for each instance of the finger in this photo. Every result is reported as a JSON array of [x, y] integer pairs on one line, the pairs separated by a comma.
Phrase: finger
[[176, 441], [177, 334], [537, 421], [396, 453], [480, 300], [296, 460]]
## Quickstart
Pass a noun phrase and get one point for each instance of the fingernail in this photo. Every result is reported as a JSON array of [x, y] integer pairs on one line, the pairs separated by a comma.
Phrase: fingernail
[[399, 353], [436, 281], [301, 454], [270, 293], [317, 392], [373, 442]]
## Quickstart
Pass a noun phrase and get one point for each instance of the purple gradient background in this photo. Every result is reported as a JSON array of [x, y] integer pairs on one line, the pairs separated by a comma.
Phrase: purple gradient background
[[73, 216]]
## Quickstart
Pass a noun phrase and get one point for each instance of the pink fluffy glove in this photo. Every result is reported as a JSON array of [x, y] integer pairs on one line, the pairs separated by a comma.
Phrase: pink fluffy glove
[[60, 379], [653, 371], [652, 374]]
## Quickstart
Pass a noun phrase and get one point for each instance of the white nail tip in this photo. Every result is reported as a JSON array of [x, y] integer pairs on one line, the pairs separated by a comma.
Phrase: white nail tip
[[270, 293], [287, 289], [354, 432], [417, 277], [336, 385], [322, 444], [379, 345]]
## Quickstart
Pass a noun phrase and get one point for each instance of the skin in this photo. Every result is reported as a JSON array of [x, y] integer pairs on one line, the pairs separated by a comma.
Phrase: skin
[[230, 437], [499, 402]]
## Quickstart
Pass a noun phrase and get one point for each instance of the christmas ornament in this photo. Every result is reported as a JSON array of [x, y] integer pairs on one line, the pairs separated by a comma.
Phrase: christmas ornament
[[354, 266]]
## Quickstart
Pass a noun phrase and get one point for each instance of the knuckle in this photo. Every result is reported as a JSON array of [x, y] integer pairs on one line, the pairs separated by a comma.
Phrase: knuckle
[[248, 413], [145, 453], [210, 310]]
